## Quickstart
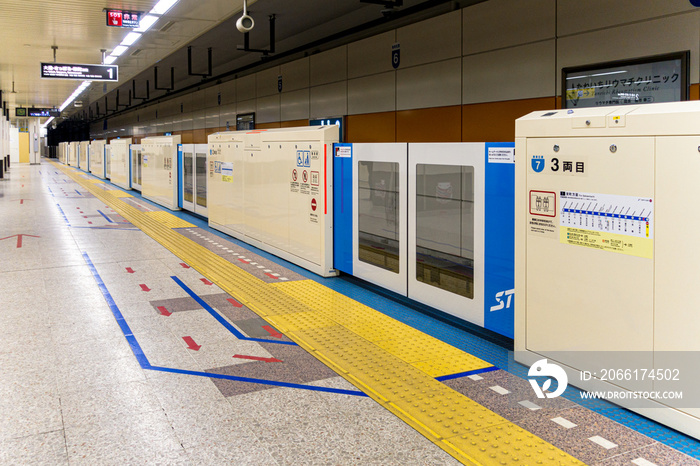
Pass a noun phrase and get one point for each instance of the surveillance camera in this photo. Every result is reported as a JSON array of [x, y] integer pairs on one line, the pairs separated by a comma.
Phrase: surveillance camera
[[245, 23]]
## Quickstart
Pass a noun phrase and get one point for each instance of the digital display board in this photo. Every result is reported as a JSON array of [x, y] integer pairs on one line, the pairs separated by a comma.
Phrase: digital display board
[[20, 112], [80, 72], [245, 121], [124, 18], [661, 78], [43, 112]]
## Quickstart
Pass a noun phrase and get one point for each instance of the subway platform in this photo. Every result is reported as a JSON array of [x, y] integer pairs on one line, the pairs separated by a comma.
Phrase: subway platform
[[132, 335]]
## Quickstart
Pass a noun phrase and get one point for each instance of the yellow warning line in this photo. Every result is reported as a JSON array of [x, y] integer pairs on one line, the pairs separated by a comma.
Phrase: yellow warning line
[[391, 362]]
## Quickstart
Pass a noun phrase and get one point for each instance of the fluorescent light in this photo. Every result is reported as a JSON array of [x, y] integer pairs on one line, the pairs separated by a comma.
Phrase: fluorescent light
[[75, 94], [131, 38], [110, 59], [118, 50], [146, 23], [46, 123], [162, 6]]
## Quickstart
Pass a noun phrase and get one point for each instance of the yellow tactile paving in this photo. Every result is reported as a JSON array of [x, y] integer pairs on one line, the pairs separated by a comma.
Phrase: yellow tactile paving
[[468, 431], [169, 219], [118, 193], [435, 357]]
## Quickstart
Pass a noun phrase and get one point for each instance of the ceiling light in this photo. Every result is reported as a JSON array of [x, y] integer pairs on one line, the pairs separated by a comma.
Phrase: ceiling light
[[118, 50], [75, 94], [110, 59], [131, 38], [162, 6], [146, 23]]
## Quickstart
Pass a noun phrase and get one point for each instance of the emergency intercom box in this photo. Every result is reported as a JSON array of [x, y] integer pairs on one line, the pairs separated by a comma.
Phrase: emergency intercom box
[[606, 256]]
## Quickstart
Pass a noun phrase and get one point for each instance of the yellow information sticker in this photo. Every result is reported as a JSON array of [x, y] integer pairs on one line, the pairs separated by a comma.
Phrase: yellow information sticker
[[605, 241], [227, 178]]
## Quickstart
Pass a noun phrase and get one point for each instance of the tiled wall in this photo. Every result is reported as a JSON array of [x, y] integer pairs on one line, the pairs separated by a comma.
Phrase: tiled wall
[[463, 76]]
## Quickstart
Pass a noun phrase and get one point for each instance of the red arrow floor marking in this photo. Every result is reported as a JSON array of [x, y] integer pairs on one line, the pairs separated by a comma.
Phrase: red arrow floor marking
[[272, 276], [164, 311], [184, 266], [19, 238], [144, 287], [234, 302], [205, 281], [191, 344], [256, 358], [129, 270], [273, 333]]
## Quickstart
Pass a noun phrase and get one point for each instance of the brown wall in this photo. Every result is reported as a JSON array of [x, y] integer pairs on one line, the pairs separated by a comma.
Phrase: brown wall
[[491, 121]]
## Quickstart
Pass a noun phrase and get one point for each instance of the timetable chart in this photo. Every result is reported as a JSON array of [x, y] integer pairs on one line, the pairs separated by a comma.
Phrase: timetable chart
[[609, 213]]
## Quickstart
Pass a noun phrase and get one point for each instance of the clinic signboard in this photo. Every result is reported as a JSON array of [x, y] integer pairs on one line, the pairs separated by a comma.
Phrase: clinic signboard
[[661, 78]]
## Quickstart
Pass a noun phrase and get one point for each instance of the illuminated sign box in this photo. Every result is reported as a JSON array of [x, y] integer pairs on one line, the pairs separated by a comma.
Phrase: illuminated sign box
[[80, 72], [43, 112], [124, 18], [661, 78]]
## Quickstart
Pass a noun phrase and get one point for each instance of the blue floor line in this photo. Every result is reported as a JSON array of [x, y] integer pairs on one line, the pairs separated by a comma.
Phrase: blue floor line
[[260, 381], [490, 352], [442, 378], [105, 216], [63, 214], [222, 320], [143, 360]]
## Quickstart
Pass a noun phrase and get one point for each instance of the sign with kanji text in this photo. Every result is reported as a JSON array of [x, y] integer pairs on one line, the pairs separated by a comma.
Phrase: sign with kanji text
[[631, 82]]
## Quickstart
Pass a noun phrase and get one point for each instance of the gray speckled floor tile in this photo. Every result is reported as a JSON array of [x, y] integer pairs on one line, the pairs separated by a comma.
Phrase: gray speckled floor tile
[[249, 453], [657, 454], [43, 449], [575, 441], [144, 438], [98, 405]]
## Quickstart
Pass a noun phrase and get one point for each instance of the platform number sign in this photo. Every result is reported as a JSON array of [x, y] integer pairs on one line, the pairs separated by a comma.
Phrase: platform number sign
[[395, 55]]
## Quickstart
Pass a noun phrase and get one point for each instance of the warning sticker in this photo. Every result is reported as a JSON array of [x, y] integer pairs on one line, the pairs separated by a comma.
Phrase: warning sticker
[[501, 155], [227, 172], [542, 226], [622, 224]]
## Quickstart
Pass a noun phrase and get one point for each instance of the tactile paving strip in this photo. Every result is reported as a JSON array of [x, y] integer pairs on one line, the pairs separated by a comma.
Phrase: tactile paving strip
[[169, 219], [433, 356], [468, 431]]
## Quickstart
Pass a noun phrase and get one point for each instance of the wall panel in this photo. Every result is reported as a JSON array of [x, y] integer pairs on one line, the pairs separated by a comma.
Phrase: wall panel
[[486, 27], [328, 100], [371, 94], [295, 105], [575, 16], [432, 85], [328, 67], [435, 39], [373, 127], [295, 75], [442, 124], [371, 56], [495, 121], [509, 74]]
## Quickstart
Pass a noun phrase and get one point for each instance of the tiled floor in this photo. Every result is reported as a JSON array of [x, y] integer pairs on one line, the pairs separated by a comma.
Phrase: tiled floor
[[223, 387]]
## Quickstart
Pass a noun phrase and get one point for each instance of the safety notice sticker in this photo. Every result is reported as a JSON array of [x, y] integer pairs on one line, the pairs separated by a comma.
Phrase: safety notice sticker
[[227, 172], [501, 155], [622, 224]]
